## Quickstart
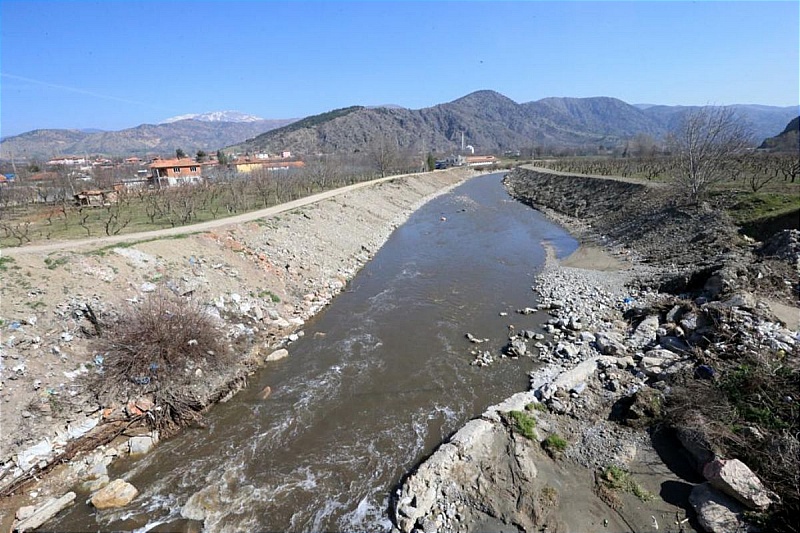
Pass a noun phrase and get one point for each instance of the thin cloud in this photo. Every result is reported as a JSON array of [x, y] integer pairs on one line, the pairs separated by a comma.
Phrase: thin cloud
[[78, 90]]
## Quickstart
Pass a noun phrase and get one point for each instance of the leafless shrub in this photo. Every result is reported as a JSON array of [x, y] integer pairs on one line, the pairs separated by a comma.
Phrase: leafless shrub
[[159, 348], [703, 145]]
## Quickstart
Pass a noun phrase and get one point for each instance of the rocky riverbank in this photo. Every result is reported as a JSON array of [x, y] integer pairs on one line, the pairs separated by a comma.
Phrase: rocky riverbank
[[259, 281], [607, 438]]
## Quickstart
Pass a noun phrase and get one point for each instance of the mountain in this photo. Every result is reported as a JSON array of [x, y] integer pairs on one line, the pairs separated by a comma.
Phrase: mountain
[[490, 122], [486, 120], [215, 116], [786, 141], [190, 135]]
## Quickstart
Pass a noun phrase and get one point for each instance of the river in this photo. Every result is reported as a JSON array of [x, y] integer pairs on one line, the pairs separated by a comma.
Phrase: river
[[379, 379]]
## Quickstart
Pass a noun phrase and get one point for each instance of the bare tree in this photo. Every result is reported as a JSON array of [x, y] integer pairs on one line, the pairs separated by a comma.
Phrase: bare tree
[[703, 144], [384, 154]]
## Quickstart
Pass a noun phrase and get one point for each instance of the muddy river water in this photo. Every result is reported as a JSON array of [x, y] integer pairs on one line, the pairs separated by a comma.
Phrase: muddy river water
[[379, 379]]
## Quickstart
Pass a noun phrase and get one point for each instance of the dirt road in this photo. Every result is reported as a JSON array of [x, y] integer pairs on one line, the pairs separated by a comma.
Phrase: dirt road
[[194, 228]]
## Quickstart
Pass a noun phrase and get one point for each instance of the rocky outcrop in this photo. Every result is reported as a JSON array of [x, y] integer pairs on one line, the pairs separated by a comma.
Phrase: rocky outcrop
[[482, 474]]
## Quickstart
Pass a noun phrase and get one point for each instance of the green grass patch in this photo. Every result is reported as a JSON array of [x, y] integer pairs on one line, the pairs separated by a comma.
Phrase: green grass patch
[[616, 478], [757, 392], [274, 298], [5, 261], [554, 443], [523, 423], [755, 206], [55, 262], [536, 406]]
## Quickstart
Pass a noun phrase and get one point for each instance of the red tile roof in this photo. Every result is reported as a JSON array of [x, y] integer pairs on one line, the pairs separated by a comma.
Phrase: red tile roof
[[170, 163]]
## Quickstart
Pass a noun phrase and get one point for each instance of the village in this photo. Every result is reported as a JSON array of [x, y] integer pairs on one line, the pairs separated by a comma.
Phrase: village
[[97, 181]]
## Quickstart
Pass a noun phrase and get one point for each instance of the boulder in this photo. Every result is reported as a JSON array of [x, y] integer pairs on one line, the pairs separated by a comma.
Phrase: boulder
[[140, 445], [609, 344], [689, 322], [696, 444], [118, 493], [674, 344], [44, 513], [674, 313], [80, 429], [567, 349], [95, 484], [645, 333], [716, 512], [517, 347], [735, 479], [277, 355], [202, 503]]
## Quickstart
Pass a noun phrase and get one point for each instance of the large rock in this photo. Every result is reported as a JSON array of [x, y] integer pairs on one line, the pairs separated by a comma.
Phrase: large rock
[[609, 343], [716, 512], [141, 445], [735, 479], [483, 462], [202, 503], [696, 444], [517, 347], [118, 493], [277, 355], [645, 333], [44, 513]]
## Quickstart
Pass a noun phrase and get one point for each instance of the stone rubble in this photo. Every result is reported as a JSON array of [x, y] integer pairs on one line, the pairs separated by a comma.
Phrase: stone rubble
[[607, 343]]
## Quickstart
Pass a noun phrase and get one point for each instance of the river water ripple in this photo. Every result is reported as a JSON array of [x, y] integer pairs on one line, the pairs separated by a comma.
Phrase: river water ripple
[[380, 378]]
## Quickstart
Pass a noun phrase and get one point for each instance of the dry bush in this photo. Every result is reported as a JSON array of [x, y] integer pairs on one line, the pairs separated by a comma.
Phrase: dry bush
[[750, 412], [157, 349]]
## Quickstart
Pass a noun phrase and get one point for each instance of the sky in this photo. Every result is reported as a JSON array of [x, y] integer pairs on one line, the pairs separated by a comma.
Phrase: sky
[[116, 64]]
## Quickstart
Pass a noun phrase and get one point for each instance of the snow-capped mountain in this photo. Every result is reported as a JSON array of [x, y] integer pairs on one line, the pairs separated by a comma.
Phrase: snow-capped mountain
[[215, 116]]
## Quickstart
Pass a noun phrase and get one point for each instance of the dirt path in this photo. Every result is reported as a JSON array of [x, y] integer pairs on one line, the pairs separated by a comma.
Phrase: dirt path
[[194, 228]]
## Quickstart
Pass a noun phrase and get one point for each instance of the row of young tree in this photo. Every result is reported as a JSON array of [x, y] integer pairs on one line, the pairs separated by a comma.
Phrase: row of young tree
[[46, 210], [711, 146]]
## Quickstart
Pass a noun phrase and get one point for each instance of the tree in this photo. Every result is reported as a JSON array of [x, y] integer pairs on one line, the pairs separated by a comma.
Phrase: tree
[[179, 153], [201, 156], [384, 154], [643, 145], [430, 162], [703, 145], [222, 159]]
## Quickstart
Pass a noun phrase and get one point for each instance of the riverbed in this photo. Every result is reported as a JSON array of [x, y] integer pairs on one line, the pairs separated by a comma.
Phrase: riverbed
[[377, 381]]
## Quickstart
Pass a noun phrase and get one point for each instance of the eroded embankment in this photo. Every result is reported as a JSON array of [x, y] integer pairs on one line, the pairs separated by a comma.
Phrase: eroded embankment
[[574, 453], [260, 281]]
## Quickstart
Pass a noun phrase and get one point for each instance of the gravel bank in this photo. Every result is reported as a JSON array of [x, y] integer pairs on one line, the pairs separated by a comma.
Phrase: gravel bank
[[261, 280], [616, 343]]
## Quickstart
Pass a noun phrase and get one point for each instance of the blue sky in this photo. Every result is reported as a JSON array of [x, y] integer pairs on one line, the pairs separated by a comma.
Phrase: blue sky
[[115, 64]]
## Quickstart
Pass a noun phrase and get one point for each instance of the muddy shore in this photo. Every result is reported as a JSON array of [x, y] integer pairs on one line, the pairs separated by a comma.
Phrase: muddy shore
[[262, 279]]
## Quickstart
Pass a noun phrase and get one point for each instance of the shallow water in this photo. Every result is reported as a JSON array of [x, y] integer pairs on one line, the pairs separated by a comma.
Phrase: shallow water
[[380, 378]]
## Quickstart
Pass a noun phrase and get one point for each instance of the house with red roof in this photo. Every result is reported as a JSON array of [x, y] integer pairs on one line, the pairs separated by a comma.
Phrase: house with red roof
[[167, 172]]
